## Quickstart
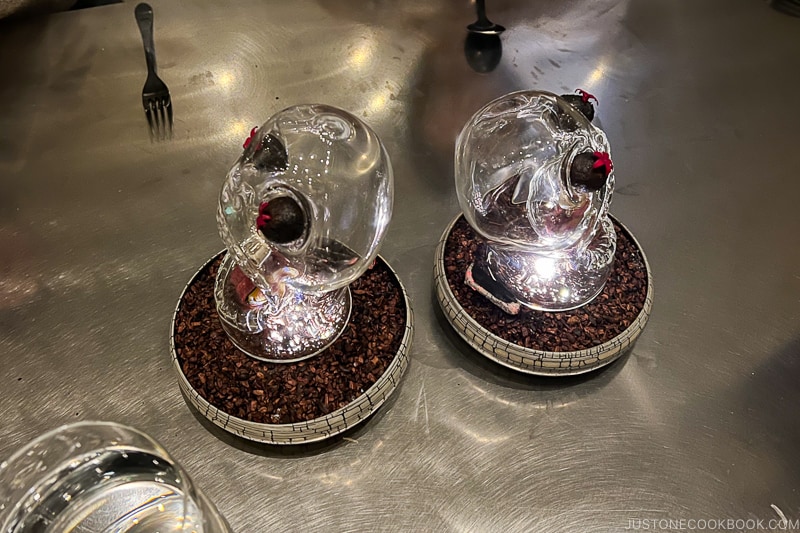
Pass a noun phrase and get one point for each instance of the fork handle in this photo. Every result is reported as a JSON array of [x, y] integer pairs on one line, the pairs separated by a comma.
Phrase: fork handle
[[144, 19]]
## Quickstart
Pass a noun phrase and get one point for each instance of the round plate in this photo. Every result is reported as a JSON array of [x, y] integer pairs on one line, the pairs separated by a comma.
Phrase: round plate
[[308, 431], [528, 360]]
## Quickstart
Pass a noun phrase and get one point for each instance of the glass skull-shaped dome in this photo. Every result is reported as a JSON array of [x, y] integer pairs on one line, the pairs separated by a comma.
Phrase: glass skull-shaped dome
[[534, 178], [528, 140], [302, 213], [337, 175]]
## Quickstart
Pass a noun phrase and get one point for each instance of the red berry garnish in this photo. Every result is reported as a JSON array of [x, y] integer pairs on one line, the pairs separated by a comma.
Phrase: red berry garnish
[[586, 96], [603, 160], [250, 138]]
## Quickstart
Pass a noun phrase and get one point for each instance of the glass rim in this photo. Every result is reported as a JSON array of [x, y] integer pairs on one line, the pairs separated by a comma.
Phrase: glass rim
[[21, 451]]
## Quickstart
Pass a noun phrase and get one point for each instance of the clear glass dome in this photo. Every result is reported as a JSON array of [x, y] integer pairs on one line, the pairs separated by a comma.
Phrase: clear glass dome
[[534, 178], [302, 213]]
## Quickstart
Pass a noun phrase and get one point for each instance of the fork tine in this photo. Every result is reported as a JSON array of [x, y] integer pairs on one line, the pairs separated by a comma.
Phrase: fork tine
[[162, 120], [148, 112], [154, 112], [168, 105], [158, 110], [162, 134]]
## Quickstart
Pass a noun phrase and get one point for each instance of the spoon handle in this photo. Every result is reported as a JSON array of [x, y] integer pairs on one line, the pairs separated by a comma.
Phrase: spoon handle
[[480, 6]]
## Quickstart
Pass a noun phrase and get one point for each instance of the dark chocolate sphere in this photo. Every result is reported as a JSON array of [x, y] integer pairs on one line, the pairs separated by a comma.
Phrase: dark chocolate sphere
[[583, 174], [271, 155], [282, 220], [584, 106]]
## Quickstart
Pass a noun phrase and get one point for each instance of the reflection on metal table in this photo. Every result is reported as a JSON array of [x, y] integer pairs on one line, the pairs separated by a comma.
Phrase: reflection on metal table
[[100, 229]]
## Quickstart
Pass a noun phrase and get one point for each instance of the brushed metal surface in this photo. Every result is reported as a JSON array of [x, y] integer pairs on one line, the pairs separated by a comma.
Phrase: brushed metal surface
[[100, 229]]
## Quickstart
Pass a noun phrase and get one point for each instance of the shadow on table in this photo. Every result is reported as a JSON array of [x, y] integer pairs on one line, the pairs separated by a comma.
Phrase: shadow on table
[[350, 436], [47, 73], [766, 401]]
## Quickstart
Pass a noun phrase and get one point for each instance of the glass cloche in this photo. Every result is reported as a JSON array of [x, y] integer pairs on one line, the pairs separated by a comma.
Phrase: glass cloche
[[534, 178], [302, 213]]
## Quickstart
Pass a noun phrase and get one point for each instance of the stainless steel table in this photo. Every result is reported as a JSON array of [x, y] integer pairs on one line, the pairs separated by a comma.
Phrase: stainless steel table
[[100, 229]]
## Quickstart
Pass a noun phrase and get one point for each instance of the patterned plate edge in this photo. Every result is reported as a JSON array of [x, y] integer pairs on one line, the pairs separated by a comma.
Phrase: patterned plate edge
[[314, 430]]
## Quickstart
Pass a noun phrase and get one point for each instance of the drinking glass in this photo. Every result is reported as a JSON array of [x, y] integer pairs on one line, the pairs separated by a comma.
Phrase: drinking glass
[[100, 477]]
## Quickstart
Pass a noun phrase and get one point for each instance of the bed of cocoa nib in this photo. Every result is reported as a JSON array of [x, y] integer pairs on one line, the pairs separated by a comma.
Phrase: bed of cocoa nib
[[281, 393], [602, 319]]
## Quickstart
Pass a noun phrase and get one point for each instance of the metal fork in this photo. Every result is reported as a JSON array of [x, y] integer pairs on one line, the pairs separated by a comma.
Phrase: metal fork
[[155, 95]]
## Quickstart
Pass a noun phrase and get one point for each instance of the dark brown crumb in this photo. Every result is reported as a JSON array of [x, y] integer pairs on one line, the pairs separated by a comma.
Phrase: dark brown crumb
[[599, 321], [282, 393]]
